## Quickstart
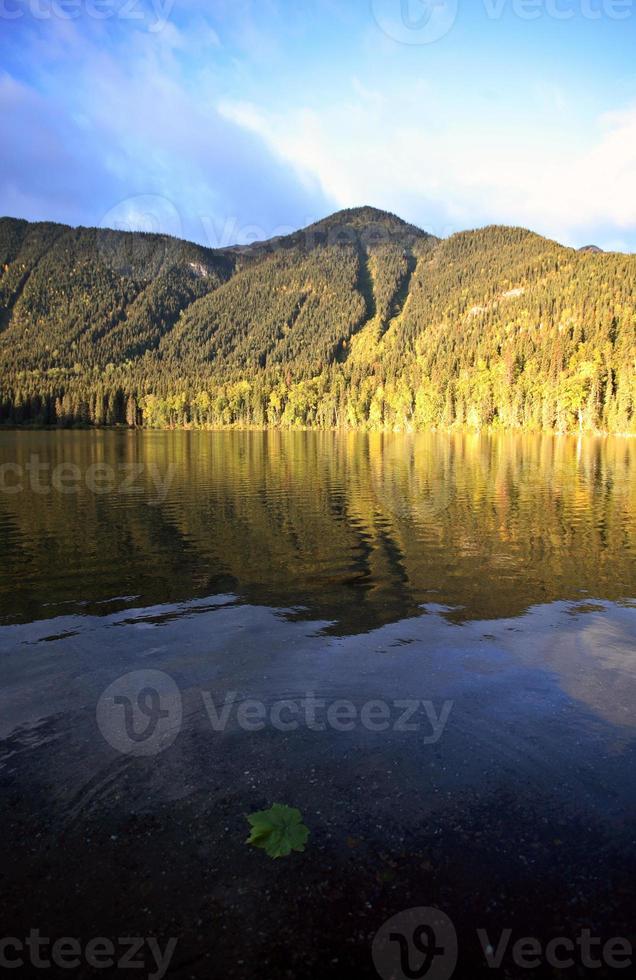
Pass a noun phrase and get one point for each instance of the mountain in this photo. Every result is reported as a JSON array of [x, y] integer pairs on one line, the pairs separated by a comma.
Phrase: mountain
[[360, 320], [591, 248]]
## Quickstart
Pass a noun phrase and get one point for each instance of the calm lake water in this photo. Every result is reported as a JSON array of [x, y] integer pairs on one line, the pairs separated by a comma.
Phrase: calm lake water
[[489, 580]]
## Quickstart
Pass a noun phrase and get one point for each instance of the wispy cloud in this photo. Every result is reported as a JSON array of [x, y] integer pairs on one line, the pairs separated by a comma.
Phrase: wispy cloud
[[88, 135], [449, 176], [263, 115]]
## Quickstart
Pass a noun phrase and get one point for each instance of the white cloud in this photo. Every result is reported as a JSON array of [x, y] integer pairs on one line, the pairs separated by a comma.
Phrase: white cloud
[[101, 129], [403, 152], [204, 113]]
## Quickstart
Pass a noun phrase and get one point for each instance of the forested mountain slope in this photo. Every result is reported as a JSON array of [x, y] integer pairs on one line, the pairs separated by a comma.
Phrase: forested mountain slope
[[360, 320]]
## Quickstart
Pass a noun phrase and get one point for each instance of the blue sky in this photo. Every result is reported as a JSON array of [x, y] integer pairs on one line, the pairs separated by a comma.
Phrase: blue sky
[[232, 120]]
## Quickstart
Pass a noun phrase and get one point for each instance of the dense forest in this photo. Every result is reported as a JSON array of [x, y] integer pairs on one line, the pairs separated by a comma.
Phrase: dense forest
[[360, 321]]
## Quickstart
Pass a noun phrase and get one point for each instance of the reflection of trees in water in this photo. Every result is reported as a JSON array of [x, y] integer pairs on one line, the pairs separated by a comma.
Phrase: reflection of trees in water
[[358, 528]]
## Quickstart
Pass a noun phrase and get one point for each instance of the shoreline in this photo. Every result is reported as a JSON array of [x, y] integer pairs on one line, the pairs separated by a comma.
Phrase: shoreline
[[453, 430]]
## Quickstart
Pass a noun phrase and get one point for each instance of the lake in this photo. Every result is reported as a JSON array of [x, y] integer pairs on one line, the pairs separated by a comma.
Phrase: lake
[[426, 643]]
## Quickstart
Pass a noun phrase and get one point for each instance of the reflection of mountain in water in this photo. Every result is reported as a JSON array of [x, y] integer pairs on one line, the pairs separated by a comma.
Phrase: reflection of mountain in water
[[357, 529]]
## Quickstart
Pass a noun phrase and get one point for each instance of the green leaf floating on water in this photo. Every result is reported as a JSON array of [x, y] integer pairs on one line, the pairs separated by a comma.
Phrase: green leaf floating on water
[[278, 831]]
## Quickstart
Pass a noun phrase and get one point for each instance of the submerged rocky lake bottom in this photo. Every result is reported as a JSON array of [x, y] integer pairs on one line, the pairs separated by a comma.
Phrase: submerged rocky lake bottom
[[425, 644]]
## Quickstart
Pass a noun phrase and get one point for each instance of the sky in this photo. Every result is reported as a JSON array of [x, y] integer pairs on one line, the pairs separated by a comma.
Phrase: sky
[[234, 120]]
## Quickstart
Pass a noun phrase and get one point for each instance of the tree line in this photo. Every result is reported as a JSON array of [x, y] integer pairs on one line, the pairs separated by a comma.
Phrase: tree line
[[367, 324]]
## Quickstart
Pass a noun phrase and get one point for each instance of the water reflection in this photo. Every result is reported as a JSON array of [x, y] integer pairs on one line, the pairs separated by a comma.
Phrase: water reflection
[[492, 574], [360, 530], [531, 696]]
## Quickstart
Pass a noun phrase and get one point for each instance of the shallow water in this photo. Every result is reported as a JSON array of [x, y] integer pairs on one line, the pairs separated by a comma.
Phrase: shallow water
[[484, 584]]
